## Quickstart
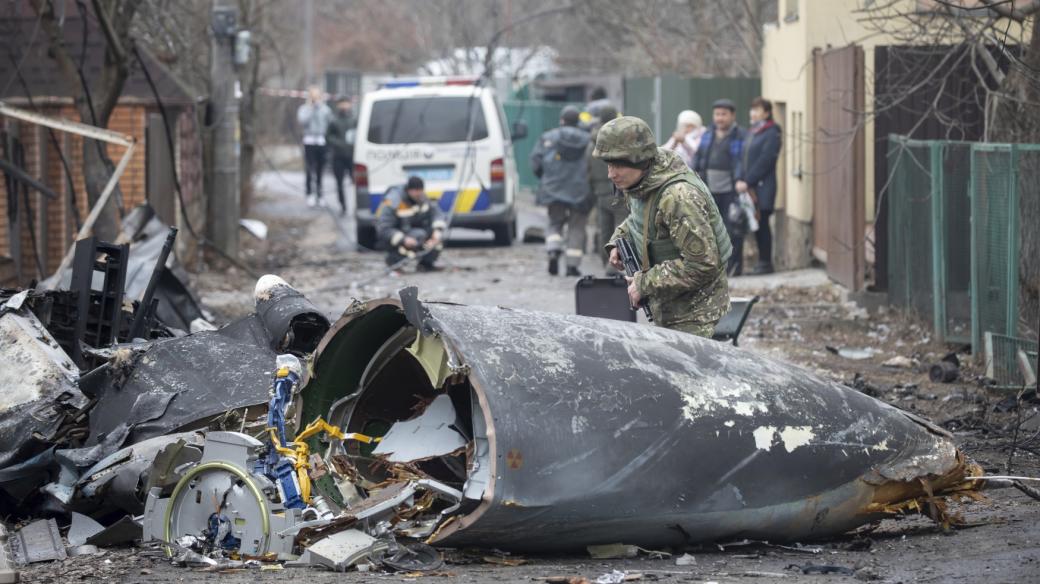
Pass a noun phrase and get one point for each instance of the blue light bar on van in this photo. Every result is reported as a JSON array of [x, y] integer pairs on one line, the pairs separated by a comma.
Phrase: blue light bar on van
[[427, 82]]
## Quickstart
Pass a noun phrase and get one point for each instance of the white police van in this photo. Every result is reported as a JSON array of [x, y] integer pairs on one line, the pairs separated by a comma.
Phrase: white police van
[[451, 133]]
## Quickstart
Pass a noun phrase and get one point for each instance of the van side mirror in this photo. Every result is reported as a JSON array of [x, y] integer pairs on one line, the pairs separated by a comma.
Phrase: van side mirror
[[519, 131]]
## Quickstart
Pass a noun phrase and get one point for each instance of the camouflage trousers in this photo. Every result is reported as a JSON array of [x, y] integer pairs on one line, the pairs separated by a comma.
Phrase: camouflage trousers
[[701, 330]]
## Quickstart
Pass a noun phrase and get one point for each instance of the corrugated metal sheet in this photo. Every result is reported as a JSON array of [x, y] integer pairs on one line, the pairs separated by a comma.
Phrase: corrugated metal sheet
[[679, 93]]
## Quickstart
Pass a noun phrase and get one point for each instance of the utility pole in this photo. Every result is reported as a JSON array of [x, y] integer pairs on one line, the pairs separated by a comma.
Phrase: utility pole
[[224, 204], [308, 42]]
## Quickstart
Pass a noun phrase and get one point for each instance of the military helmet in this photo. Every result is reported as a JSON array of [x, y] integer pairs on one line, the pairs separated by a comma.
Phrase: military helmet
[[627, 139]]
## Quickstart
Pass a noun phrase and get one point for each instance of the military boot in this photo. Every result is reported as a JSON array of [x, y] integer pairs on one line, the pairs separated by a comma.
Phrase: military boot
[[554, 263]]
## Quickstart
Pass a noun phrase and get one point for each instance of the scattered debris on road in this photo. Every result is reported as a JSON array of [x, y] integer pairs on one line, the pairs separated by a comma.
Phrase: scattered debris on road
[[284, 440]]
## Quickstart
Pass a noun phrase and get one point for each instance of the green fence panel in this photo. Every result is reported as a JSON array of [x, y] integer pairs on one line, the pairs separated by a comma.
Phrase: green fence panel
[[910, 260], [955, 233], [680, 93], [994, 240], [955, 261], [539, 117]]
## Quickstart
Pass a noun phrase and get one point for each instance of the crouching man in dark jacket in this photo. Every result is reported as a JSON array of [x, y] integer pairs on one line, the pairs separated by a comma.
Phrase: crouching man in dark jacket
[[409, 224]]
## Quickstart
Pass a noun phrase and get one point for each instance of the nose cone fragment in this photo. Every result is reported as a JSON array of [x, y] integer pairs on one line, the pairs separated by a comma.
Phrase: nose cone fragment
[[584, 431]]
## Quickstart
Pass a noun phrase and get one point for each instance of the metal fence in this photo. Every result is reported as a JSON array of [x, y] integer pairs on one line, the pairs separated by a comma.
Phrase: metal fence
[[954, 224], [539, 117]]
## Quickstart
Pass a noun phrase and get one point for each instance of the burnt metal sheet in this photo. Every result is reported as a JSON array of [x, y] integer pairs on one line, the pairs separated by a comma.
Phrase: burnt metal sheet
[[180, 384], [178, 305], [39, 383], [600, 431], [122, 532]]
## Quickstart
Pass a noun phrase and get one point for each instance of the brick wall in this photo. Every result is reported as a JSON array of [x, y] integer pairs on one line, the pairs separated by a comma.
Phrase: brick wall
[[55, 222]]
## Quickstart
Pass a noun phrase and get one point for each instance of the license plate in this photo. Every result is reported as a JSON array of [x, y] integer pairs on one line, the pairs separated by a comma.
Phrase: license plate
[[430, 173]]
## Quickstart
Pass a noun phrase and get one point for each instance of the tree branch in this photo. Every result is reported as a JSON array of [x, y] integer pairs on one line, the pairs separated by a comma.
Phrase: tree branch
[[114, 42], [1007, 8]]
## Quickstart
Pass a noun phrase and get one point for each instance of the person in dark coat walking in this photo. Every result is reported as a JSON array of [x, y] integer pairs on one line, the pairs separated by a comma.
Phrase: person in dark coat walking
[[340, 138], [558, 160], [761, 150]]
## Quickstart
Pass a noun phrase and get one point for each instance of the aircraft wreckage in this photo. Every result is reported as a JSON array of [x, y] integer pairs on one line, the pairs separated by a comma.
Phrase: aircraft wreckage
[[477, 426], [468, 426]]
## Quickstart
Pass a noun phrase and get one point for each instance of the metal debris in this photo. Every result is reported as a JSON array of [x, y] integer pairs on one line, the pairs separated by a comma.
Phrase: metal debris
[[429, 435], [38, 541], [344, 549], [465, 427], [81, 529], [8, 575], [221, 504], [686, 560]]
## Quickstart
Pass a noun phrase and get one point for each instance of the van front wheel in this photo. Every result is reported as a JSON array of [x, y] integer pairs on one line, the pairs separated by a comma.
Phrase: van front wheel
[[505, 233]]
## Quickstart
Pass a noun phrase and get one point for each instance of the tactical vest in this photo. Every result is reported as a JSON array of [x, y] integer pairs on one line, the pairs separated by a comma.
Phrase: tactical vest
[[656, 250]]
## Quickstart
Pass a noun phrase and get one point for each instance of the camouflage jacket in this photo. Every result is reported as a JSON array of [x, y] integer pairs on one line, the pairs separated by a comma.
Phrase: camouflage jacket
[[686, 286]]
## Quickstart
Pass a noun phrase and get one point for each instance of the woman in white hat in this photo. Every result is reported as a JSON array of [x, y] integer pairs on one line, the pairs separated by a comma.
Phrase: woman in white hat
[[687, 136]]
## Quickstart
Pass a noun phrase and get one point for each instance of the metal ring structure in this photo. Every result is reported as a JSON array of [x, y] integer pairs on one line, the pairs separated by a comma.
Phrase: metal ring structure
[[216, 465]]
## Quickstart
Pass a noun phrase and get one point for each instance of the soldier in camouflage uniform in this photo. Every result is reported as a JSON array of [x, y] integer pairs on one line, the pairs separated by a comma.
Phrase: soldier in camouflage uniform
[[674, 226]]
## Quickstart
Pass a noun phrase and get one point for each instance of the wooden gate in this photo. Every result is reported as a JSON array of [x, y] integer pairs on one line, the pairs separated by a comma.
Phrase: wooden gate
[[839, 198]]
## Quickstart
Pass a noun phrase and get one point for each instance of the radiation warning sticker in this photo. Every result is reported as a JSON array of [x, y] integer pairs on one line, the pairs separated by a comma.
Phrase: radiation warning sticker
[[514, 459]]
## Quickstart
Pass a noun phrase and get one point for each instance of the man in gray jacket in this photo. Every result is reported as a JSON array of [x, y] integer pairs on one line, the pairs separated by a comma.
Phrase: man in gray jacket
[[314, 117], [558, 160]]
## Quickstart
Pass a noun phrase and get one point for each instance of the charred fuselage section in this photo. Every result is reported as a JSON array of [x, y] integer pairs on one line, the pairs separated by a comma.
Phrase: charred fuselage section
[[565, 431]]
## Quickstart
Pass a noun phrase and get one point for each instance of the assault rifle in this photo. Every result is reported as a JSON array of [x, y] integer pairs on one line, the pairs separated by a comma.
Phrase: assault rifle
[[631, 263]]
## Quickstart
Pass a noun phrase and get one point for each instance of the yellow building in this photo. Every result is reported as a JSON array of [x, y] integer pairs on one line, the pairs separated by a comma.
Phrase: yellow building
[[809, 33]]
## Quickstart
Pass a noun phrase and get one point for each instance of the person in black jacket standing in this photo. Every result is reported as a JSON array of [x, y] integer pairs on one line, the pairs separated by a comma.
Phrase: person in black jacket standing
[[340, 138], [719, 161], [761, 150]]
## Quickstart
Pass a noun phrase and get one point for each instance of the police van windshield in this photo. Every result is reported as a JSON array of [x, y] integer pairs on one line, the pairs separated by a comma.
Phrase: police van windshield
[[426, 119]]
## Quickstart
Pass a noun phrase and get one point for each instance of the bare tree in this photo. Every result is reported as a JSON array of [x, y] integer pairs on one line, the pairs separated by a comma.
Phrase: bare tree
[[95, 99], [998, 41], [177, 32]]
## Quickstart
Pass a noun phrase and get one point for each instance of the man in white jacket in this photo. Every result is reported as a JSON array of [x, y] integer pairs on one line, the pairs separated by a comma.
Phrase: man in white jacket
[[314, 117]]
